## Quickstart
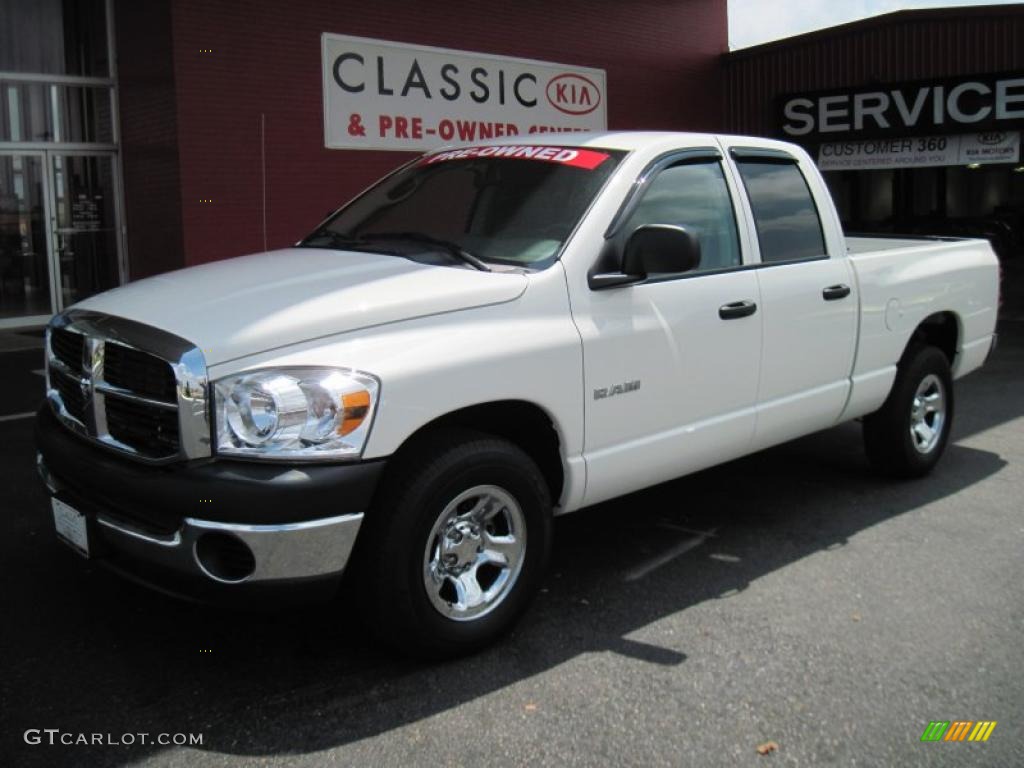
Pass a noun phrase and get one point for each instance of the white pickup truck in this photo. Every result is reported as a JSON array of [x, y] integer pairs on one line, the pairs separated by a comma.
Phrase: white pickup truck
[[488, 337]]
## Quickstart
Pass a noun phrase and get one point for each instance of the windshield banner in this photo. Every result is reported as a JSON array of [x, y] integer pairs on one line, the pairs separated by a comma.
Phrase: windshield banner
[[386, 95], [571, 156]]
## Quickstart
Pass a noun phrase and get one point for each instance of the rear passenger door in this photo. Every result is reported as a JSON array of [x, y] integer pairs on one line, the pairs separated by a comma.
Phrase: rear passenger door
[[808, 294]]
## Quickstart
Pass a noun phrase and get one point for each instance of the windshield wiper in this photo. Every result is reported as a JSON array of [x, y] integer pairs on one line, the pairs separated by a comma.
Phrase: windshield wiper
[[336, 239], [453, 249]]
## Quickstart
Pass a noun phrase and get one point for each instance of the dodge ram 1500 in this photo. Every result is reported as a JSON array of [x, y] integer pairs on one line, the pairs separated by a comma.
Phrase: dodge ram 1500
[[488, 337]]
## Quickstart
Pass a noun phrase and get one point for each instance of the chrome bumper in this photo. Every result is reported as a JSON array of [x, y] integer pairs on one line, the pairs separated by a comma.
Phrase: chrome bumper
[[279, 553]]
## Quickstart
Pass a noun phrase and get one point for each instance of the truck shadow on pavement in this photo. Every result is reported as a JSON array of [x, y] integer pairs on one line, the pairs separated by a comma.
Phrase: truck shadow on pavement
[[85, 652], [91, 653]]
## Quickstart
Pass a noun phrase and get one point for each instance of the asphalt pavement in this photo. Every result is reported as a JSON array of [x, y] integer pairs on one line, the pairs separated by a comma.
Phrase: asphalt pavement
[[790, 597]]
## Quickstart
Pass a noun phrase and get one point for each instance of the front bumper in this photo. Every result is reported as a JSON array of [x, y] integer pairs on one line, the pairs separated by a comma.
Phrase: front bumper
[[211, 529]]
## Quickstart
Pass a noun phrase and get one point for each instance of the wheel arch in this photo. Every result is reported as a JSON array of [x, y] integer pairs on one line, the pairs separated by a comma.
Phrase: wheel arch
[[521, 422], [942, 330]]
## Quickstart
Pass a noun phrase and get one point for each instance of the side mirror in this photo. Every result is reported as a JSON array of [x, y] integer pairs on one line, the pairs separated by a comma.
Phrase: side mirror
[[660, 249]]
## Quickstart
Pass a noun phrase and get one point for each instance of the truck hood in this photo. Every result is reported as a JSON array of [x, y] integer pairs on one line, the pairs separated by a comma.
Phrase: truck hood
[[251, 304]]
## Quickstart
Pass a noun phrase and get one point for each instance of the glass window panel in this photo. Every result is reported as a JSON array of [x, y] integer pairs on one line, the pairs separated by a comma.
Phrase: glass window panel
[[54, 37], [24, 276], [695, 196], [46, 112], [85, 236], [787, 220], [512, 211]]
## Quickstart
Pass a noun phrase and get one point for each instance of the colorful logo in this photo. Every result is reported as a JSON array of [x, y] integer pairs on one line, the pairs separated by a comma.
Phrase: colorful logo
[[958, 730]]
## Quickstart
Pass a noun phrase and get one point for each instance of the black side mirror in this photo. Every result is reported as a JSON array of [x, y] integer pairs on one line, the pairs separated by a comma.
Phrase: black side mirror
[[651, 249], [654, 249]]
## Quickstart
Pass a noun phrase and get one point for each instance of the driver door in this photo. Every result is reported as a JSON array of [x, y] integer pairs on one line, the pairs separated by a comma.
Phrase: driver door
[[671, 364]]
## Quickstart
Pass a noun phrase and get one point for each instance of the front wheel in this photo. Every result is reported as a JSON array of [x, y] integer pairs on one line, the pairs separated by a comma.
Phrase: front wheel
[[907, 435], [456, 545]]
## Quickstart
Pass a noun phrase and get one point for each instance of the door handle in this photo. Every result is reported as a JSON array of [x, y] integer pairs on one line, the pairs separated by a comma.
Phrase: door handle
[[736, 310], [834, 292]]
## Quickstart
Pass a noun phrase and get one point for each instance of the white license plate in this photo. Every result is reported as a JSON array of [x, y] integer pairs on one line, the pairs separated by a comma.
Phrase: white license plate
[[71, 526]]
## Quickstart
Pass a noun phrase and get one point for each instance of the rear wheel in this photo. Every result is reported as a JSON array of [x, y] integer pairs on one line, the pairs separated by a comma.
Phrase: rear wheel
[[456, 545], [907, 435]]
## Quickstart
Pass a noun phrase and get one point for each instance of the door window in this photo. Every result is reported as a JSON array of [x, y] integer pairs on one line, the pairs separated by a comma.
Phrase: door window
[[86, 240], [788, 226], [24, 277], [694, 196]]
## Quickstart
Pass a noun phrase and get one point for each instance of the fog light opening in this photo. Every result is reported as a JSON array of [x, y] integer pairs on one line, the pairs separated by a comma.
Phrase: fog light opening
[[225, 558]]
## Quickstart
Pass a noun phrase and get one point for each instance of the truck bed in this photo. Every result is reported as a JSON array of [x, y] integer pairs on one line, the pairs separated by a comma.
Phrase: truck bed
[[905, 280], [860, 244]]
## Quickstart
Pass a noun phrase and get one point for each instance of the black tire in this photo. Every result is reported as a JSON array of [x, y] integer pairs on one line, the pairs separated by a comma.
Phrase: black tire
[[888, 439], [425, 478]]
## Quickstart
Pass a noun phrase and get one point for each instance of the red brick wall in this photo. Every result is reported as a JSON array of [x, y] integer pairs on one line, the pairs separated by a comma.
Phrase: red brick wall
[[661, 59]]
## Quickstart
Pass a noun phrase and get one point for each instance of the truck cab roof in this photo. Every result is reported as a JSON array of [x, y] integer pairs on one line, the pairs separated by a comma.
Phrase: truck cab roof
[[625, 140]]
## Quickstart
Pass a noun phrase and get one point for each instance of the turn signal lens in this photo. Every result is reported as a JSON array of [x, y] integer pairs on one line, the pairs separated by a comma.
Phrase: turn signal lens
[[354, 408]]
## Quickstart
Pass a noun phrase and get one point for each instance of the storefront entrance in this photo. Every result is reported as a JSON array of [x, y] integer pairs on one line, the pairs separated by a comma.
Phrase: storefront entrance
[[60, 196], [58, 231]]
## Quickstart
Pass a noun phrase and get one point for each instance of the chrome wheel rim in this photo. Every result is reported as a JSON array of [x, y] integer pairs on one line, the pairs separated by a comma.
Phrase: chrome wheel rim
[[928, 414], [474, 553]]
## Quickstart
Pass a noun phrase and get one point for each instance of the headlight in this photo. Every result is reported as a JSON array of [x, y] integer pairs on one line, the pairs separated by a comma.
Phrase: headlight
[[295, 413]]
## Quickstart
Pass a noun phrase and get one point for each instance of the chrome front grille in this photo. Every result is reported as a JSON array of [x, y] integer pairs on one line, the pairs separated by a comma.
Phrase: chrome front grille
[[73, 396], [69, 348], [127, 386], [151, 430], [139, 372]]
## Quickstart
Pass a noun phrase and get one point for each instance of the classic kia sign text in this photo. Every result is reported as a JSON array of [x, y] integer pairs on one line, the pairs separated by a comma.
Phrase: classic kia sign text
[[386, 95]]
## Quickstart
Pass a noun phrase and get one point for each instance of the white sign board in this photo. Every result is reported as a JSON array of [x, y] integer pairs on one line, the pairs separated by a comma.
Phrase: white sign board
[[385, 95], [921, 151], [990, 147]]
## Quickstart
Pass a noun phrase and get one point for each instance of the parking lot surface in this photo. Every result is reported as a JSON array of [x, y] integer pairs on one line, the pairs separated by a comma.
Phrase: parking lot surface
[[791, 597]]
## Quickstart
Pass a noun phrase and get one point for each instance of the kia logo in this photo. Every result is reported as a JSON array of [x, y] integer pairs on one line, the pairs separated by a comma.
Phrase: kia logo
[[992, 137], [573, 94]]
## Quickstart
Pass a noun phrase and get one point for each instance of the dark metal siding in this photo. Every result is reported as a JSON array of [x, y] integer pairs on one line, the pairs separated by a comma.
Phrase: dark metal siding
[[907, 45]]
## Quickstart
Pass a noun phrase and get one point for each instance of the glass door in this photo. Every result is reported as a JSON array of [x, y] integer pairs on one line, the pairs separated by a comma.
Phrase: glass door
[[25, 275], [60, 195], [58, 232], [84, 225]]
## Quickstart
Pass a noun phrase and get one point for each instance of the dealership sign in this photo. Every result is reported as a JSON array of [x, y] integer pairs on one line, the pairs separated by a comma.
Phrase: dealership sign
[[920, 151], [979, 102], [386, 95]]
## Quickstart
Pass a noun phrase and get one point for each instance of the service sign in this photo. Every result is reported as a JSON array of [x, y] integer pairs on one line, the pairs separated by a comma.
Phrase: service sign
[[386, 95], [916, 108], [921, 151]]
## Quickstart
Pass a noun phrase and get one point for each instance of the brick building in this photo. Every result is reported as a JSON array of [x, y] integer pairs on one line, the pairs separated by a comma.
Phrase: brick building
[[141, 137], [915, 118]]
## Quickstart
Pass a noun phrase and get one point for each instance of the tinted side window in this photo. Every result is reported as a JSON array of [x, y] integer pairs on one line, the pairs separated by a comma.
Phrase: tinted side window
[[695, 196], [787, 220]]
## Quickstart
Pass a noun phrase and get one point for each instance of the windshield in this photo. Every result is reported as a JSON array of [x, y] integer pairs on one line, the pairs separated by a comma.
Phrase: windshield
[[513, 205]]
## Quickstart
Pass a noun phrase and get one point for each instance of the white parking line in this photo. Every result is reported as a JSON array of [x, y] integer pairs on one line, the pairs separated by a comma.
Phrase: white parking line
[[667, 557], [681, 529], [16, 416]]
